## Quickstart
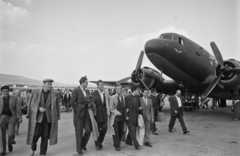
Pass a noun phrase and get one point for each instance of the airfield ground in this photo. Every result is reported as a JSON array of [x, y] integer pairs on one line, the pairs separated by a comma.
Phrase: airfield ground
[[212, 133]]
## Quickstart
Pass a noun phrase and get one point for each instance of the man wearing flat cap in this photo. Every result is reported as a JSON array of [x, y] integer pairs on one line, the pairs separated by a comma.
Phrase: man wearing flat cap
[[44, 113], [10, 113]]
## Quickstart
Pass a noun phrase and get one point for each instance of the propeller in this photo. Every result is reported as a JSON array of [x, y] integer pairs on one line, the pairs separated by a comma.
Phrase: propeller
[[235, 70], [217, 53], [221, 70], [135, 74], [211, 86], [139, 63]]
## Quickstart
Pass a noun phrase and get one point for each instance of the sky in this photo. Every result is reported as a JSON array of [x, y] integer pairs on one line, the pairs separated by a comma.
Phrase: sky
[[67, 39]]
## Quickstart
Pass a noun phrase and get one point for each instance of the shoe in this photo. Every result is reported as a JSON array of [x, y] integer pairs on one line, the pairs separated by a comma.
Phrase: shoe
[[10, 148], [154, 133], [32, 153], [186, 131], [84, 148], [117, 148], [2, 154], [137, 147], [148, 144], [78, 154], [98, 148], [170, 131], [129, 143]]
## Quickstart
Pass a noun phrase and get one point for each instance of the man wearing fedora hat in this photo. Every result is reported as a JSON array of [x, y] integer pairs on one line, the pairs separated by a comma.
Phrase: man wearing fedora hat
[[44, 113], [10, 113]]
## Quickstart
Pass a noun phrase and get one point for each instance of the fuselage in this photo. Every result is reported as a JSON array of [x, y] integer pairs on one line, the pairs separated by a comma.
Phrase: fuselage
[[181, 59]]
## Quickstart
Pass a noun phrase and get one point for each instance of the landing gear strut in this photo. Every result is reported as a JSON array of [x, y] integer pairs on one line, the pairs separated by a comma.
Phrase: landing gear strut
[[222, 103]]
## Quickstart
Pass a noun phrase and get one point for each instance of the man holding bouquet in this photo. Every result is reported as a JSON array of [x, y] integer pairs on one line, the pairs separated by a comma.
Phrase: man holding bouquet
[[83, 116]]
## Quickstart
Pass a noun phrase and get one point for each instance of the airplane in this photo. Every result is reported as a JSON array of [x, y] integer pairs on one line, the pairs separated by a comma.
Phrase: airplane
[[192, 69]]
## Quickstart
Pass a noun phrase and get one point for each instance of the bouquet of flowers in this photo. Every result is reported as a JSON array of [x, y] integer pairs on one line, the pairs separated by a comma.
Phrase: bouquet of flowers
[[89, 101]]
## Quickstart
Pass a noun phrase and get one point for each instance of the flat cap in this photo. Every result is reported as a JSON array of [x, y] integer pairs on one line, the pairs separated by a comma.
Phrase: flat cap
[[5, 87], [47, 80]]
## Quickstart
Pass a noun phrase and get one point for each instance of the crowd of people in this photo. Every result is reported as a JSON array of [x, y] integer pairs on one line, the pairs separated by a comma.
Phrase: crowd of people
[[129, 116]]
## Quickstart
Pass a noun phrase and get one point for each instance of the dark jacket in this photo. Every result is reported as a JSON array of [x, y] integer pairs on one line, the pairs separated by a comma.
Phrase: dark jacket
[[154, 104], [174, 105], [78, 102], [132, 103], [66, 99], [101, 107]]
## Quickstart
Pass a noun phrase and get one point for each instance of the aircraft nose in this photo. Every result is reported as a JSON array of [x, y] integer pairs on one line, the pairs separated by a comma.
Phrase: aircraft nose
[[154, 46]]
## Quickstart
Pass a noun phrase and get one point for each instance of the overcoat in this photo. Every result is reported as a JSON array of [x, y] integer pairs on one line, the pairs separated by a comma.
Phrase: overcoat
[[33, 110]]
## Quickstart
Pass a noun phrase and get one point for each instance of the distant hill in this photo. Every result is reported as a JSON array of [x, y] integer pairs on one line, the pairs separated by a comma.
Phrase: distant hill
[[16, 79]]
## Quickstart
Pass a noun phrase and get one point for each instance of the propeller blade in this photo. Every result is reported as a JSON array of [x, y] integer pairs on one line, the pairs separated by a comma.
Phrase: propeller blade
[[217, 53], [211, 86], [234, 70], [143, 83], [123, 80], [140, 59]]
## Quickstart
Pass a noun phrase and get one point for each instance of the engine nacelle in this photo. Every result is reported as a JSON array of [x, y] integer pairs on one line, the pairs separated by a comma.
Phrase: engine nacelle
[[230, 79], [149, 76]]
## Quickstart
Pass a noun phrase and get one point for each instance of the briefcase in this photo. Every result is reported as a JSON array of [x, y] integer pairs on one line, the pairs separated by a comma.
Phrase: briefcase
[[160, 117]]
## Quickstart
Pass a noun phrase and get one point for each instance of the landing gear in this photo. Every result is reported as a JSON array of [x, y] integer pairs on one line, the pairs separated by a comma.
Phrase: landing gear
[[222, 103]]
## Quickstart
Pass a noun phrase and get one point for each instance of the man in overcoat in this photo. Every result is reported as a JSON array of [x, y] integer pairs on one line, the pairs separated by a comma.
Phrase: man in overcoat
[[44, 113]]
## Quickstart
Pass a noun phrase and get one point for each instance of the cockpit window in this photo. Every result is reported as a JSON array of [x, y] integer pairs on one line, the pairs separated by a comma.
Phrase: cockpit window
[[180, 41], [173, 38], [166, 37]]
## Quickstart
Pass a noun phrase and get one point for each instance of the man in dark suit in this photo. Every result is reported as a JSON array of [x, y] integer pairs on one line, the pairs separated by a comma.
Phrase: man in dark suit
[[9, 115], [67, 99], [155, 110], [101, 116], [81, 116], [132, 105], [176, 111]]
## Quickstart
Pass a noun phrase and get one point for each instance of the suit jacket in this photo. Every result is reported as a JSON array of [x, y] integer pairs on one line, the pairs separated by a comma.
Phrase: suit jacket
[[154, 103], [174, 106], [67, 99], [35, 115], [101, 107], [46, 105], [147, 110], [14, 107], [132, 103], [113, 109], [78, 102]]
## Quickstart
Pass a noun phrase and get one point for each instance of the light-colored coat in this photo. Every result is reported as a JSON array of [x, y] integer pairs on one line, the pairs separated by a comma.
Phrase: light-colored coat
[[113, 110], [108, 97], [33, 110], [147, 110], [14, 107]]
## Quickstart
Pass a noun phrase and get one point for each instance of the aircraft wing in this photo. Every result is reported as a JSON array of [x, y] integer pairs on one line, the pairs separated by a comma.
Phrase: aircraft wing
[[113, 83]]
